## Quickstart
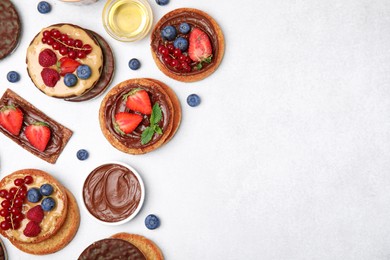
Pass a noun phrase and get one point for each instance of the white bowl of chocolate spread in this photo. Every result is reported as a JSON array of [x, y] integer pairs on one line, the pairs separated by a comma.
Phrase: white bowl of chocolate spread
[[113, 193]]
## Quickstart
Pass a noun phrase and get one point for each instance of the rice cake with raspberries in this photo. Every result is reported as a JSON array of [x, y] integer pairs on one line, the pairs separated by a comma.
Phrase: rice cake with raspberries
[[72, 46], [14, 190]]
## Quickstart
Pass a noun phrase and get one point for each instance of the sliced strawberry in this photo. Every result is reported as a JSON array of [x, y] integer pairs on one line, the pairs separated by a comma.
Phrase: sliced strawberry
[[11, 118], [38, 134], [138, 100], [35, 214], [199, 46], [32, 229], [67, 65], [126, 123]]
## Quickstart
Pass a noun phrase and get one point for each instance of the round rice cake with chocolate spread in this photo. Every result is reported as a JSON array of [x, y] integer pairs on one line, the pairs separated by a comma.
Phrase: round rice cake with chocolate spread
[[60, 239], [10, 28], [17, 186], [198, 38], [72, 46], [139, 115]]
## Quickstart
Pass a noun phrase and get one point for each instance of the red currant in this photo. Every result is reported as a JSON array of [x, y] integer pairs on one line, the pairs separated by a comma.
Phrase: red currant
[[174, 63], [18, 217], [9, 196], [28, 179], [13, 190], [56, 46], [4, 225], [72, 54], [3, 193], [5, 204], [87, 49], [160, 47], [16, 224], [188, 60], [78, 43], [176, 53], [55, 33], [165, 52], [70, 42], [170, 48], [22, 195], [63, 50], [18, 182], [50, 41], [64, 37], [4, 212], [167, 60], [46, 33], [15, 210], [182, 58], [44, 40], [18, 202], [81, 55]]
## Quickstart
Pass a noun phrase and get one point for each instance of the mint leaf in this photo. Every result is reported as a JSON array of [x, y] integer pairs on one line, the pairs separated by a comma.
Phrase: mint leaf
[[208, 59], [199, 66], [156, 116], [147, 135], [158, 130]]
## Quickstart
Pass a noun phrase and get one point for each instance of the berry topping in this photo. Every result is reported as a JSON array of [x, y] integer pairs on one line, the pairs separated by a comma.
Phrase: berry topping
[[162, 2], [50, 77], [138, 100], [134, 64], [67, 65], [193, 100], [13, 76], [3, 193], [11, 118], [82, 154], [44, 7], [38, 134], [32, 229], [84, 72], [5, 225], [70, 80], [47, 58], [18, 182], [168, 33], [33, 195], [28, 179], [152, 221], [199, 46], [35, 214], [46, 189], [126, 123], [48, 204], [184, 28], [181, 43]]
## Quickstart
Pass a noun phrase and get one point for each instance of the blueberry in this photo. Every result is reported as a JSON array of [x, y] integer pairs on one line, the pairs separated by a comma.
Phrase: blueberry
[[83, 72], [184, 28], [193, 100], [168, 33], [181, 43], [70, 79], [13, 76], [82, 154], [162, 2], [152, 221], [134, 64], [33, 195], [44, 7], [46, 189], [48, 204]]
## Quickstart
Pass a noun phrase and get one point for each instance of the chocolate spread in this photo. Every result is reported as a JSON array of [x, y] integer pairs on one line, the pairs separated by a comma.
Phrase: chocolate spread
[[194, 20], [116, 104], [10, 28], [112, 192], [30, 116], [112, 249]]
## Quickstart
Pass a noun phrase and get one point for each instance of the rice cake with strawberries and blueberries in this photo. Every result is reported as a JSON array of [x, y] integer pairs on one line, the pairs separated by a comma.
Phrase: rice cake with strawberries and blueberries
[[187, 44], [139, 115], [64, 61]]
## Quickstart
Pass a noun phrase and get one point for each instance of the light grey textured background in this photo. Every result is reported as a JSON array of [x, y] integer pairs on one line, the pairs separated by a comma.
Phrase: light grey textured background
[[286, 158]]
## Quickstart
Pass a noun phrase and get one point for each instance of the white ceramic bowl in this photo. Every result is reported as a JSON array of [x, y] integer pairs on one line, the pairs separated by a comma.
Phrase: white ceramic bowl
[[141, 183]]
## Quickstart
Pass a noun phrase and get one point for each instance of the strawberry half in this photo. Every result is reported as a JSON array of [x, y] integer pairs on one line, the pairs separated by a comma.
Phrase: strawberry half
[[38, 134], [138, 100], [126, 123], [199, 46], [67, 65], [11, 118]]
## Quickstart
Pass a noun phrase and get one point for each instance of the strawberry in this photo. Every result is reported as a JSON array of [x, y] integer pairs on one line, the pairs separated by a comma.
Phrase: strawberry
[[67, 65], [38, 134], [32, 229], [11, 118], [199, 46], [47, 58], [126, 123], [50, 77], [138, 100], [35, 214]]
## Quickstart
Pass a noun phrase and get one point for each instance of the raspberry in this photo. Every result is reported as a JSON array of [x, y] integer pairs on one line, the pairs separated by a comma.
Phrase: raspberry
[[35, 214], [50, 77], [32, 229], [47, 58]]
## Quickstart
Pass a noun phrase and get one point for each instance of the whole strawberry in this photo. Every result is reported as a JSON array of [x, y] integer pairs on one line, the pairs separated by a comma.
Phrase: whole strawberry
[[200, 49], [50, 77], [47, 58]]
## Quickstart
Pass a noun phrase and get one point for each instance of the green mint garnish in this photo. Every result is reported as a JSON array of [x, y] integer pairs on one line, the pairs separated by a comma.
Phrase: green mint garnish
[[149, 131], [199, 66]]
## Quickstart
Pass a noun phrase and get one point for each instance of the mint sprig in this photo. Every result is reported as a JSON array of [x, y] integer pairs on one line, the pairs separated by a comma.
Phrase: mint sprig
[[153, 128], [199, 66]]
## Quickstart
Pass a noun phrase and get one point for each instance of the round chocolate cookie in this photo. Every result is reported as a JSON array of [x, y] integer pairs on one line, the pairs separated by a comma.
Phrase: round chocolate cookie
[[110, 249], [10, 28]]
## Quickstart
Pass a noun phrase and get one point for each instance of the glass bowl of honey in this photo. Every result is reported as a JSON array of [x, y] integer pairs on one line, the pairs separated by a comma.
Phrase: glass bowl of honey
[[127, 20]]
